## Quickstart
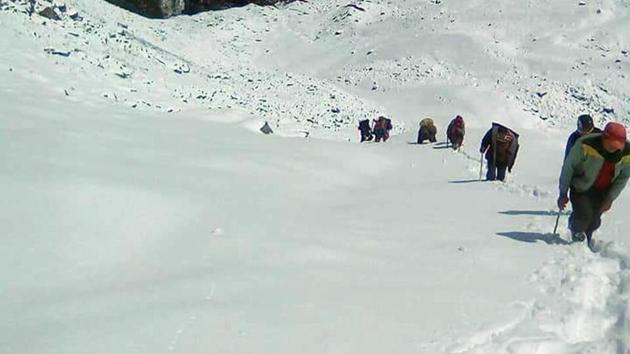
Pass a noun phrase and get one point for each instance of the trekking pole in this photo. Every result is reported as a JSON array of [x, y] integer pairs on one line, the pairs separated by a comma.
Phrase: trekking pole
[[481, 166], [555, 228]]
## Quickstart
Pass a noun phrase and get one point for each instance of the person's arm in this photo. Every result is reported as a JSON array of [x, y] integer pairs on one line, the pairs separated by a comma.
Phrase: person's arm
[[619, 183], [485, 142], [576, 155], [570, 142]]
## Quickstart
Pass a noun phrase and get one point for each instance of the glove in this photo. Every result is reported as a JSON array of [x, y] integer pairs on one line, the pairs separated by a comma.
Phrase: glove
[[606, 205], [563, 200]]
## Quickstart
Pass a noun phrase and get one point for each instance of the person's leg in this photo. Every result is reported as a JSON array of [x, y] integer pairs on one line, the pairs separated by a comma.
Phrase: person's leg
[[597, 200], [501, 172], [581, 218], [459, 141], [491, 174]]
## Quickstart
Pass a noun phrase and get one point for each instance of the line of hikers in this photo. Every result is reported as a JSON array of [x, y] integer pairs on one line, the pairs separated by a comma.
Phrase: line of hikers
[[595, 170], [378, 131], [500, 144]]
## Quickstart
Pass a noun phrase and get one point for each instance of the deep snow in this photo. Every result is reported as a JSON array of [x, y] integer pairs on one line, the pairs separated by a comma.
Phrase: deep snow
[[144, 213]]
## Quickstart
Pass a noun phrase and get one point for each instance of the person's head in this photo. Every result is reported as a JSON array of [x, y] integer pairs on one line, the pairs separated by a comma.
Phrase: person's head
[[614, 137], [585, 124]]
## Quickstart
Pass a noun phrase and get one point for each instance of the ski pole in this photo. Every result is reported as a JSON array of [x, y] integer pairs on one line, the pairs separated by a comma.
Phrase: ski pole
[[555, 228]]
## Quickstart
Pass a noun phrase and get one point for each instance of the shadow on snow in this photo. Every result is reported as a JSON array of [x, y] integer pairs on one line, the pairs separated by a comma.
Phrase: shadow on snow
[[533, 237]]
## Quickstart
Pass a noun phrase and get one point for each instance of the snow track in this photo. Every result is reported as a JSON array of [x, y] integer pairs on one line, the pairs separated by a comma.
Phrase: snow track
[[582, 308]]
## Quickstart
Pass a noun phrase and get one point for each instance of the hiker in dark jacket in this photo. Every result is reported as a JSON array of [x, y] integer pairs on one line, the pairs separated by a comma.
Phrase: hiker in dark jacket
[[427, 131], [455, 132], [366, 131], [585, 126], [500, 144], [593, 176], [382, 126]]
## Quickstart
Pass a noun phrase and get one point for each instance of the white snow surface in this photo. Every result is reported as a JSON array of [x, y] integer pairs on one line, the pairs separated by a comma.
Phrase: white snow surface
[[143, 212]]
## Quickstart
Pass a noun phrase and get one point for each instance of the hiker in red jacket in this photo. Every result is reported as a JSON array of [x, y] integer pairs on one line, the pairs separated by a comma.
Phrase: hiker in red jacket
[[455, 132]]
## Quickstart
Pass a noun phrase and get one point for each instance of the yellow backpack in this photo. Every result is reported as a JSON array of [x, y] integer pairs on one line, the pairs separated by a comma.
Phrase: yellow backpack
[[426, 122]]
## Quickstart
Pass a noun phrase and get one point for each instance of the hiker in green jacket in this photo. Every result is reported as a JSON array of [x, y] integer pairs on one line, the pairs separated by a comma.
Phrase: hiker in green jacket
[[595, 172]]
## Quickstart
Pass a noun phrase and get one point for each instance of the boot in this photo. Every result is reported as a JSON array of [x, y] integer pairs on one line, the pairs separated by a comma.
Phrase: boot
[[578, 236]]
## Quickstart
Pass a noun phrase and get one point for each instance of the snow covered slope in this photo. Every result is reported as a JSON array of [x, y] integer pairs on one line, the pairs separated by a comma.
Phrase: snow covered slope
[[144, 214]]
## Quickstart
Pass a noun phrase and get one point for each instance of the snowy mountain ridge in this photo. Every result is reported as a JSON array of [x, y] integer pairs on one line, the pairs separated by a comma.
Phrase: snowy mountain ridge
[[223, 60]]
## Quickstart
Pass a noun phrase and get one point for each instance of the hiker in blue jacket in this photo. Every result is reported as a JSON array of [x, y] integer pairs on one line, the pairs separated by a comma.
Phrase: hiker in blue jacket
[[585, 126]]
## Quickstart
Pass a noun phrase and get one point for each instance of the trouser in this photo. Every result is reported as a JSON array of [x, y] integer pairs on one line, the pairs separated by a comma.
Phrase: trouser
[[456, 141], [366, 135], [379, 134], [496, 171], [425, 135], [587, 211]]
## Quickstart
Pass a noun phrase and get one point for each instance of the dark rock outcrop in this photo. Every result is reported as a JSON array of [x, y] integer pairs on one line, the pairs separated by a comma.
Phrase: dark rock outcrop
[[168, 8], [153, 8], [50, 14]]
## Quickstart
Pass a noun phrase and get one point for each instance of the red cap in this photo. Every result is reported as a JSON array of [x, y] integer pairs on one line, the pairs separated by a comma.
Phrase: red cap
[[616, 134]]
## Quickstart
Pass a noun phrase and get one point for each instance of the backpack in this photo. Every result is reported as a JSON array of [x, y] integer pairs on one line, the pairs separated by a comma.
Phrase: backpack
[[458, 122], [502, 141], [388, 124], [426, 122], [379, 124], [456, 127]]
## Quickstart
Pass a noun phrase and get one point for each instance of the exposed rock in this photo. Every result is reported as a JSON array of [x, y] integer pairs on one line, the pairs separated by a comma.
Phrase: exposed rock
[[50, 14], [266, 129], [153, 8], [168, 8]]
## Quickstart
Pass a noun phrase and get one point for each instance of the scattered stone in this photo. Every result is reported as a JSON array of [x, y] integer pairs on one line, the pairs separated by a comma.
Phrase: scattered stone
[[357, 7], [75, 17], [52, 51], [266, 129]]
